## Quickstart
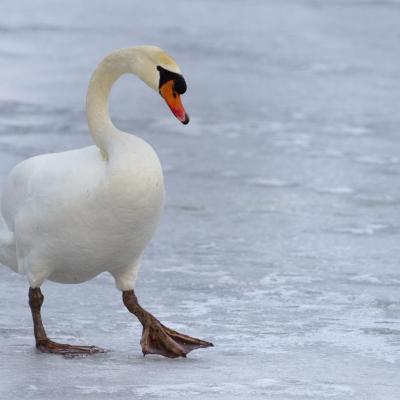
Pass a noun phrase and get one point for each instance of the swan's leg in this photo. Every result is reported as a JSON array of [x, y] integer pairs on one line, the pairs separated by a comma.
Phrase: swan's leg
[[157, 338], [43, 343]]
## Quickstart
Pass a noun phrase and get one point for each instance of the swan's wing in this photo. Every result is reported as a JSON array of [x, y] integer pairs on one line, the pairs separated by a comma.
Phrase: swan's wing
[[39, 183]]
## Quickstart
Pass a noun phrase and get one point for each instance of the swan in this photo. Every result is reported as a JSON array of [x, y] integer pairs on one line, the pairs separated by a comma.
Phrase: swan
[[69, 216]]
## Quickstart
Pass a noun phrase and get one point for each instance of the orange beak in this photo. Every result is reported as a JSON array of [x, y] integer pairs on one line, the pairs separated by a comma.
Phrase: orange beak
[[174, 102]]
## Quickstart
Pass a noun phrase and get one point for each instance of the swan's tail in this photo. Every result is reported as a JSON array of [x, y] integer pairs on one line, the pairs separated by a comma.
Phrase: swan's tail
[[8, 254]]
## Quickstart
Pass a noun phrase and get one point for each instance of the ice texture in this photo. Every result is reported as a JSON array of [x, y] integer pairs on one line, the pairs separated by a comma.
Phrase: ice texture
[[281, 233]]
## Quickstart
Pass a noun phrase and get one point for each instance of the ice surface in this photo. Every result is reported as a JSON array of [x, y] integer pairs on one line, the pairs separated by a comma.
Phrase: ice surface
[[280, 239]]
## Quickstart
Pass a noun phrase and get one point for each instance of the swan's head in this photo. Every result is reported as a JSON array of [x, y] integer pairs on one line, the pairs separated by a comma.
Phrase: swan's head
[[161, 72]]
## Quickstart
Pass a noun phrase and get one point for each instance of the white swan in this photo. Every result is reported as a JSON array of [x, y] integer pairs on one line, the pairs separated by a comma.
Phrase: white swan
[[70, 216]]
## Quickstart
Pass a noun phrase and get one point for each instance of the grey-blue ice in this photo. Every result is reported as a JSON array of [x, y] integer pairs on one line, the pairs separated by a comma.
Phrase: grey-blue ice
[[280, 239]]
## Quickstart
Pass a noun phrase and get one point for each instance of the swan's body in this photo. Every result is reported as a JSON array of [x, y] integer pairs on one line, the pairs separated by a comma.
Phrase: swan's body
[[75, 215], [70, 216]]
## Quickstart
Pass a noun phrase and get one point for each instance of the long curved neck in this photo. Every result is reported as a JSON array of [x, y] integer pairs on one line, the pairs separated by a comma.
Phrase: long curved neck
[[97, 111]]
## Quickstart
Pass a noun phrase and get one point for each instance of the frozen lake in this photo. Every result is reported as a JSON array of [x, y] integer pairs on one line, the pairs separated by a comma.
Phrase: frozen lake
[[280, 238]]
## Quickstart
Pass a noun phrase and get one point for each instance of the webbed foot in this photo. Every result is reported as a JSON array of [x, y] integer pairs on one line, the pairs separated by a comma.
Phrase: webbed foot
[[66, 350], [158, 339]]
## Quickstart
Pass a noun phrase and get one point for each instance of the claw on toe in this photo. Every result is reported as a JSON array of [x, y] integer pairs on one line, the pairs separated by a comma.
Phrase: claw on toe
[[158, 339]]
